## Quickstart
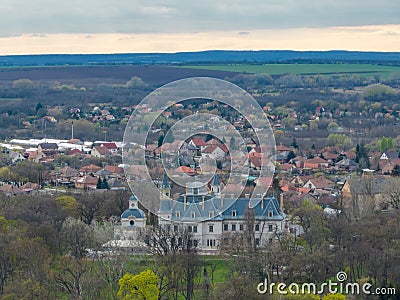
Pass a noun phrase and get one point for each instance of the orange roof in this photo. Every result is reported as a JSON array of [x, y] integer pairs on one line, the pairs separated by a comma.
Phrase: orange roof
[[282, 148], [114, 169], [90, 168], [184, 169], [199, 142]]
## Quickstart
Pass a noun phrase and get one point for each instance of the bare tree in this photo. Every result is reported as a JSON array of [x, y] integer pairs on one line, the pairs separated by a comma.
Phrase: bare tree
[[392, 193], [177, 261]]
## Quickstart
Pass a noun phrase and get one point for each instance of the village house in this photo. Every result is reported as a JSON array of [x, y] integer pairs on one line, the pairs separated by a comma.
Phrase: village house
[[319, 185], [100, 151], [316, 163], [47, 149], [214, 151]]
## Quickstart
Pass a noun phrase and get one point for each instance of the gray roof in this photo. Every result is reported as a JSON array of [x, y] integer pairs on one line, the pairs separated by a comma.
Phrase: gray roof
[[215, 180], [221, 209], [165, 184], [48, 145], [137, 213]]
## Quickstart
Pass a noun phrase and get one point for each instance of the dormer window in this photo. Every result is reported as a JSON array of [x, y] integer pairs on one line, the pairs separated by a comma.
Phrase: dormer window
[[192, 215], [270, 213], [234, 213], [211, 214], [178, 214]]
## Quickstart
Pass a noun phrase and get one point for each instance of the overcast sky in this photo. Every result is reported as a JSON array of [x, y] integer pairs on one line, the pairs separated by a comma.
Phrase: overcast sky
[[43, 22]]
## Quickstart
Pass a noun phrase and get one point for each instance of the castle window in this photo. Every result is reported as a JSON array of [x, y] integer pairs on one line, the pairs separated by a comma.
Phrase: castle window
[[241, 227], [211, 228], [195, 228], [233, 227], [131, 222], [257, 227], [175, 228], [189, 228], [270, 227], [225, 227]]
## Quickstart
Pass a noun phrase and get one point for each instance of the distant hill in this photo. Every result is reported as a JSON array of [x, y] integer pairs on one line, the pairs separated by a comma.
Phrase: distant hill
[[212, 56]]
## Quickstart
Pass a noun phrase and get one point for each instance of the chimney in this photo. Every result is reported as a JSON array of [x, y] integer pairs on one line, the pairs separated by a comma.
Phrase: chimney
[[281, 203], [262, 202], [202, 201], [184, 202], [222, 199], [247, 196]]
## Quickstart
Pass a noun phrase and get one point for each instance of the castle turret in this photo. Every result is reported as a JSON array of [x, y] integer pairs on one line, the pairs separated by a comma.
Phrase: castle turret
[[165, 188], [133, 216], [215, 184]]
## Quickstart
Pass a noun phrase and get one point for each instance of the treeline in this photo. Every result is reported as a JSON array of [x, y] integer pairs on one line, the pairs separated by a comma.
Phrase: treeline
[[226, 56]]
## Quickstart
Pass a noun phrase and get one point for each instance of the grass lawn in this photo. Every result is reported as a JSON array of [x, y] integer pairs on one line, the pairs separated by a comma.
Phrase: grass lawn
[[367, 70]]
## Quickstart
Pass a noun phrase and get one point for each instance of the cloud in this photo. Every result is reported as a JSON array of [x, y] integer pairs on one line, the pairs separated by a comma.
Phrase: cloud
[[157, 10], [38, 35], [182, 16], [332, 38]]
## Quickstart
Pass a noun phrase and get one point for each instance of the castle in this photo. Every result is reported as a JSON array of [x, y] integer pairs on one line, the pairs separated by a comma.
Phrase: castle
[[207, 214], [211, 216]]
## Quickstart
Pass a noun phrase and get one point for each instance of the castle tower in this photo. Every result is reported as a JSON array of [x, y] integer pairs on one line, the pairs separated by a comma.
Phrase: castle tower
[[215, 185], [165, 188], [133, 216]]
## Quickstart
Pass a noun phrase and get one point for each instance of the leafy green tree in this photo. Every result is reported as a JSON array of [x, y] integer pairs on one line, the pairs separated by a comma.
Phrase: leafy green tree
[[386, 144], [160, 140], [377, 91], [335, 139], [396, 171], [294, 144], [104, 184], [142, 286], [38, 106], [68, 204], [99, 184], [332, 126], [290, 156], [362, 156], [334, 297]]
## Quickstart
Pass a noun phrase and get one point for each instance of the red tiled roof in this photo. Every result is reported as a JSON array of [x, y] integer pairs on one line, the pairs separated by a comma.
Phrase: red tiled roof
[[282, 148], [90, 168], [102, 150], [114, 169], [199, 142], [109, 146], [316, 160]]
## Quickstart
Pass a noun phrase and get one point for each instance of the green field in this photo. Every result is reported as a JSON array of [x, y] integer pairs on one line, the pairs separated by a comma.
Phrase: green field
[[10, 99], [305, 69]]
